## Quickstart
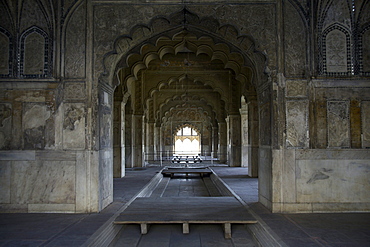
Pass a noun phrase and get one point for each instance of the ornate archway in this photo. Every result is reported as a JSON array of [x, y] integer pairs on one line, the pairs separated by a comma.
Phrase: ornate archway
[[186, 67]]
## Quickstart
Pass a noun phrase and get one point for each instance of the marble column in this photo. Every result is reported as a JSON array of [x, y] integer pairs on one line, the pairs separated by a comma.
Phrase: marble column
[[234, 140], [215, 141], [157, 142], [137, 140], [149, 142], [128, 140], [118, 140], [245, 135], [253, 130], [222, 142]]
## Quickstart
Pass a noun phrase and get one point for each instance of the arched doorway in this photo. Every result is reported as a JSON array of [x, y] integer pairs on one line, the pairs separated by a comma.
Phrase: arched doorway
[[181, 75], [187, 141]]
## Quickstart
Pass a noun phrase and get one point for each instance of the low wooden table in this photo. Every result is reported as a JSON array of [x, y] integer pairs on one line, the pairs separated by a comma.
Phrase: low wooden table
[[201, 171], [185, 211]]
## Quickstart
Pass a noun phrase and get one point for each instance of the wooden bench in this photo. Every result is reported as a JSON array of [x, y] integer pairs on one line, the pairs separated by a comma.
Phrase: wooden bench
[[186, 210]]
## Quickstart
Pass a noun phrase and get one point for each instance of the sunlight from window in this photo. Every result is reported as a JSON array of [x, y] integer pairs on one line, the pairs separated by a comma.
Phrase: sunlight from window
[[187, 142]]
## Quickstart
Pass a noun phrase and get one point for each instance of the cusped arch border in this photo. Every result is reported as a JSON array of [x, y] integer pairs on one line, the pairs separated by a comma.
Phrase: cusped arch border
[[170, 25], [176, 79], [171, 102]]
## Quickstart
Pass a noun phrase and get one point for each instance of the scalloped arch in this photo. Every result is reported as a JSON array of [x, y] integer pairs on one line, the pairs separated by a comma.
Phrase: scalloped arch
[[166, 28]]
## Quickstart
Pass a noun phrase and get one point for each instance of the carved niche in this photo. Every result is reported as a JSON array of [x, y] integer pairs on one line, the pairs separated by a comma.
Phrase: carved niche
[[35, 62], [34, 54], [365, 53], [336, 52]]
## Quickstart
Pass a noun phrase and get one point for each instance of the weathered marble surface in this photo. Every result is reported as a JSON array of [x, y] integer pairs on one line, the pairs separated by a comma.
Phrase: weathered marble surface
[[44, 182], [74, 126], [365, 106], [338, 124], [297, 123], [310, 180], [333, 181]]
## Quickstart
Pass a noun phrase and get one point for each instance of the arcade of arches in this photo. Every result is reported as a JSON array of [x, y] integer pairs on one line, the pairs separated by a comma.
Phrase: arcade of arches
[[184, 81], [89, 88]]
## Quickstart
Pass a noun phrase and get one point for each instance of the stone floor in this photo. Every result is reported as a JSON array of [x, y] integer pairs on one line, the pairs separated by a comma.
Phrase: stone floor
[[291, 229]]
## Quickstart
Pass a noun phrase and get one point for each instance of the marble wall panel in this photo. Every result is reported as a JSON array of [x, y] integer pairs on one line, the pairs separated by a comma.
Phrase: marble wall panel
[[5, 171], [74, 91], [74, 126], [42, 182], [338, 181], [106, 177], [265, 175], [338, 124], [5, 125], [365, 113], [296, 123], [34, 120], [296, 88], [336, 52]]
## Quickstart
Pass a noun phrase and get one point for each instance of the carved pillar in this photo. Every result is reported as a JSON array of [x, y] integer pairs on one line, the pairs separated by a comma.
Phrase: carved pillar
[[137, 140], [128, 139], [118, 140], [244, 135], [215, 141], [149, 142], [253, 138], [222, 142], [234, 140], [157, 142]]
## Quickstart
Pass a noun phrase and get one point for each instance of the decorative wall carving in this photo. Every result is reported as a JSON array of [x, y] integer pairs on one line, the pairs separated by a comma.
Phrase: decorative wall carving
[[296, 88], [5, 126], [294, 42], [74, 126], [296, 124], [338, 124], [336, 52], [34, 14], [34, 122], [74, 91], [72, 116], [75, 46]]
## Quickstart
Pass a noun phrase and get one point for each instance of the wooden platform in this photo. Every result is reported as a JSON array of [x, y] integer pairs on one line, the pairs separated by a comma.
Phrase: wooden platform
[[201, 171], [185, 210]]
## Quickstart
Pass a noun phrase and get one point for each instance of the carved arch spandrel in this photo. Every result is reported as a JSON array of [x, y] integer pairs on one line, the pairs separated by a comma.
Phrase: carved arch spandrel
[[127, 44]]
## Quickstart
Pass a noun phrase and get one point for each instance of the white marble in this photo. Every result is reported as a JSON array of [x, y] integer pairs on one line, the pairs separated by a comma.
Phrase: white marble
[[5, 171], [43, 182], [333, 181]]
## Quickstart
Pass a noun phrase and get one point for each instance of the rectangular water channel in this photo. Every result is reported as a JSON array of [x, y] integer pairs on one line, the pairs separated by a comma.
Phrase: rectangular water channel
[[186, 186]]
